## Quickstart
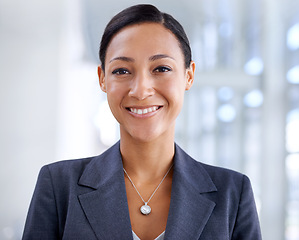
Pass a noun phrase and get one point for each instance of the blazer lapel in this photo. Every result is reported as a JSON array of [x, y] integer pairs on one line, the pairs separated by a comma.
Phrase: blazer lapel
[[105, 203], [189, 209]]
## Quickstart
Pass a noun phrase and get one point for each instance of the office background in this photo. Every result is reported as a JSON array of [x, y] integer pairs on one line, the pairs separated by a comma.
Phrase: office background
[[242, 112]]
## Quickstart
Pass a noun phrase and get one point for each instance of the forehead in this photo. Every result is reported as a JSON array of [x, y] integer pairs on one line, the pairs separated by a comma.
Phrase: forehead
[[146, 38]]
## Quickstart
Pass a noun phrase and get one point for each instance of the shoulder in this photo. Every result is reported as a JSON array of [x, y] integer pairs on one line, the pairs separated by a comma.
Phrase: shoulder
[[62, 175], [222, 178], [74, 168], [222, 174], [67, 167], [227, 179]]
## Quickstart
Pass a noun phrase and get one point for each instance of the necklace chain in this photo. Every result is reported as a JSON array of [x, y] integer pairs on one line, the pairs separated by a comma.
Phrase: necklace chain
[[154, 190]]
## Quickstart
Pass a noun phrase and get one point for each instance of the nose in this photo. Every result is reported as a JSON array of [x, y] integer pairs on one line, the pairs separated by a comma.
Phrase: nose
[[141, 87]]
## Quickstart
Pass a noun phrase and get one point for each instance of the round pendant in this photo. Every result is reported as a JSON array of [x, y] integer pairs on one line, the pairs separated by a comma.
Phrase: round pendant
[[145, 209]]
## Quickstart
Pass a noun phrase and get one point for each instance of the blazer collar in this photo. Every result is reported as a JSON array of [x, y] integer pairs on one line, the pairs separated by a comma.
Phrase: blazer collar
[[189, 210], [106, 207]]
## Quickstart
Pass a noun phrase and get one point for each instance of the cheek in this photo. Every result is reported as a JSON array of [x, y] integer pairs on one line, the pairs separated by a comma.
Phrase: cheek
[[115, 94], [175, 90], [115, 89]]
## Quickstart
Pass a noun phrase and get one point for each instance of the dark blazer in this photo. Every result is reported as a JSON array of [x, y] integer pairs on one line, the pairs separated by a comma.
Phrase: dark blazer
[[86, 199]]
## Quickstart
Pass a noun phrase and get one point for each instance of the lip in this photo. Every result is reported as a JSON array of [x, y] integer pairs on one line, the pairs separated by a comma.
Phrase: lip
[[143, 111]]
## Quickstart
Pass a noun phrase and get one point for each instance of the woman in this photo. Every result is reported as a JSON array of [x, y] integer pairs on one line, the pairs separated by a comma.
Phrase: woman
[[145, 186]]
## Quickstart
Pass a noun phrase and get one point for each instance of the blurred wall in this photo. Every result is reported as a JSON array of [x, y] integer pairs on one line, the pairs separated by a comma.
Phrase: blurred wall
[[29, 75]]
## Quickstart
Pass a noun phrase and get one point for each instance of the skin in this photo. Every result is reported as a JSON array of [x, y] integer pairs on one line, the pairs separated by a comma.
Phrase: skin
[[144, 69]]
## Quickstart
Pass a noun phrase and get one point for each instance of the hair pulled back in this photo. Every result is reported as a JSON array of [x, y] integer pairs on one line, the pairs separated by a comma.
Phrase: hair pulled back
[[140, 14]]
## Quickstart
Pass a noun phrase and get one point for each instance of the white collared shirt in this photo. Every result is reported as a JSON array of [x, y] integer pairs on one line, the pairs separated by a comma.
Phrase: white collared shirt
[[160, 237]]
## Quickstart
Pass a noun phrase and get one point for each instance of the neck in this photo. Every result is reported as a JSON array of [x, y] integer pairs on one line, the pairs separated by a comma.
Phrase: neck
[[147, 160]]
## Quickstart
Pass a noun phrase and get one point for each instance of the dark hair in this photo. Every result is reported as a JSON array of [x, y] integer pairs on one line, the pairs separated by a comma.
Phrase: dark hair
[[139, 14]]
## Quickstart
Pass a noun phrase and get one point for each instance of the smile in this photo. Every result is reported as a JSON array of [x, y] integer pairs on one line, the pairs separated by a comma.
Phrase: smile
[[141, 111]]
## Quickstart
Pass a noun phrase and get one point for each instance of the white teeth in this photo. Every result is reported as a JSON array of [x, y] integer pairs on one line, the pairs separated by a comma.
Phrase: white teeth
[[144, 111]]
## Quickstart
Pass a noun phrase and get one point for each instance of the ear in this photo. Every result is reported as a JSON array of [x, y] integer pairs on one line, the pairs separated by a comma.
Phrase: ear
[[102, 81], [190, 75]]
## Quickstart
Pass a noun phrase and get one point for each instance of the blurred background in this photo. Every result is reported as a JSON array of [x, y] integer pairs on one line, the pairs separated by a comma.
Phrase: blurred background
[[242, 112]]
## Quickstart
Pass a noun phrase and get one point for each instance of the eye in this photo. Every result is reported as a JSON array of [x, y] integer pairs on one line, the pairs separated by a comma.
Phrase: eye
[[162, 69], [120, 71]]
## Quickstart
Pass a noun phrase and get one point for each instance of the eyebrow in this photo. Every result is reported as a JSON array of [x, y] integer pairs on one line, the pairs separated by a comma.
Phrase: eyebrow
[[152, 58], [159, 56], [122, 58]]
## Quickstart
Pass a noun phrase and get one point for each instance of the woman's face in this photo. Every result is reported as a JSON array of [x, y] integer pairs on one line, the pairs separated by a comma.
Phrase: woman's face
[[145, 80]]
